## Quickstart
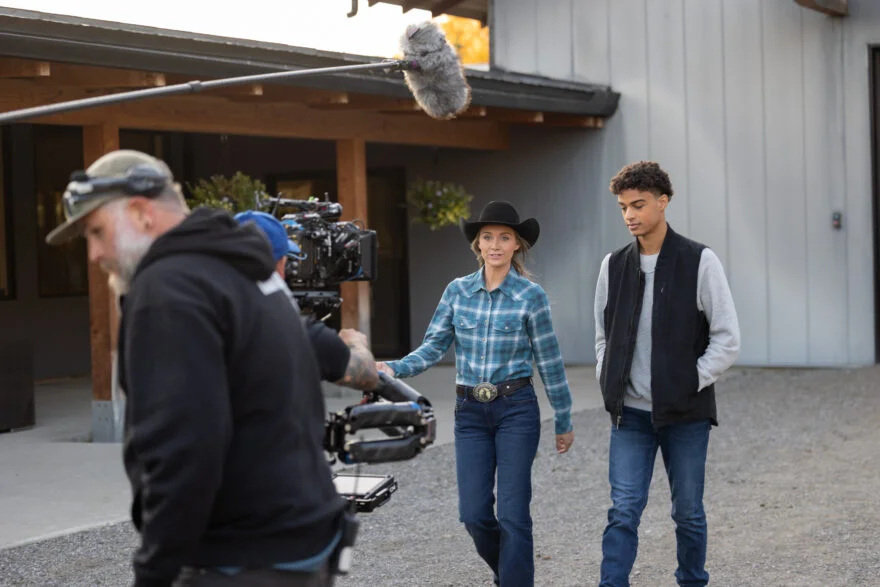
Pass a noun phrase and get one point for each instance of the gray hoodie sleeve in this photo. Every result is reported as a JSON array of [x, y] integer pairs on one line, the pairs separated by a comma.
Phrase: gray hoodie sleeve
[[715, 300], [599, 313]]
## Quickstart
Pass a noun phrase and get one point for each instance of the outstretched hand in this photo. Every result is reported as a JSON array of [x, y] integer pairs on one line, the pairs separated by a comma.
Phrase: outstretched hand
[[564, 442], [384, 368]]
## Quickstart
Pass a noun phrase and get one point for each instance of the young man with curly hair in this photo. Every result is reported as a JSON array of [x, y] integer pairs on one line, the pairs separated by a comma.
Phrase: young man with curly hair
[[666, 329]]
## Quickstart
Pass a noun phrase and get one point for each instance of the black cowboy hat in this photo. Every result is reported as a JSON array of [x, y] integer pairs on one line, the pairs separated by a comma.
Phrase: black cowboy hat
[[505, 214]]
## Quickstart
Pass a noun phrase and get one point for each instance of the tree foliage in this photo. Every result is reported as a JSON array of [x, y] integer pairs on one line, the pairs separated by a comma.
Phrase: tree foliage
[[468, 36]]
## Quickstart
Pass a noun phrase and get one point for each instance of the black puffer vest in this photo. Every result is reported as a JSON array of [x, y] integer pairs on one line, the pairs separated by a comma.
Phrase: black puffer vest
[[679, 331]]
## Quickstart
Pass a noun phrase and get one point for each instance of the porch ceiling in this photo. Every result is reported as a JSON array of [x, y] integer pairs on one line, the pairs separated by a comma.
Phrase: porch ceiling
[[49, 58]]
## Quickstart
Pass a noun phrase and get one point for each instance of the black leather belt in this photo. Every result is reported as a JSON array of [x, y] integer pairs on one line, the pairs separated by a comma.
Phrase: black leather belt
[[486, 392]]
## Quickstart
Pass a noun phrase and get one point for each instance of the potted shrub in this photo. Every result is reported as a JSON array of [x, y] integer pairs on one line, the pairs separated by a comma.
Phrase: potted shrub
[[234, 194]]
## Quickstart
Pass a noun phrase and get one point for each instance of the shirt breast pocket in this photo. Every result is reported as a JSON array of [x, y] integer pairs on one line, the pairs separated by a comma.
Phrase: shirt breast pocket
[[462, 323], [465, 333], [507, 328]]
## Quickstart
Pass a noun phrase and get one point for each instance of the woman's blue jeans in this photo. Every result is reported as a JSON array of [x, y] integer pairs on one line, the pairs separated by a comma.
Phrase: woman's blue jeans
[[631, 464], [501, 435]]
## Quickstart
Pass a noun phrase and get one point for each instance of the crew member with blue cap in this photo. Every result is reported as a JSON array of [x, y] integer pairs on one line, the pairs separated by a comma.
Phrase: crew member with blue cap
[[275, 232], [344, 358]]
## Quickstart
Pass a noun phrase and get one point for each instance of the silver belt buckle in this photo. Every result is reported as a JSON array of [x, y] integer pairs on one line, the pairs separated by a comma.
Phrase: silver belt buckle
[[484, 392]]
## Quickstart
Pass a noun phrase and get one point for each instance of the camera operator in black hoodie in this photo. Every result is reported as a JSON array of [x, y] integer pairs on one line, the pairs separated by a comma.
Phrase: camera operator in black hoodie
[[224, 424]]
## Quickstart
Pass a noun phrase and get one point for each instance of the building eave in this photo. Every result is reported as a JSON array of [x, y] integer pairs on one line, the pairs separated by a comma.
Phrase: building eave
[[35, 35]]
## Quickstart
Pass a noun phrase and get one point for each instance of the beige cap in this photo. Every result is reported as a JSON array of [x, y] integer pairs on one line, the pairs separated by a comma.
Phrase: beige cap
[[113, 164]]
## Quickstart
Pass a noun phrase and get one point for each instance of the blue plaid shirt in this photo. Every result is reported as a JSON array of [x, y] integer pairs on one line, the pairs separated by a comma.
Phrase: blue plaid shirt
[[496, 334]]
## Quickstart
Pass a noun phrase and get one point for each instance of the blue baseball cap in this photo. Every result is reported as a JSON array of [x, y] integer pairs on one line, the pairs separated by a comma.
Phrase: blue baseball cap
[[274, 231]]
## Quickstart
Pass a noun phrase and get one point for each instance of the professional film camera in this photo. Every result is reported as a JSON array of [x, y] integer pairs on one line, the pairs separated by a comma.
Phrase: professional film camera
[[400, 413], [331, 251]]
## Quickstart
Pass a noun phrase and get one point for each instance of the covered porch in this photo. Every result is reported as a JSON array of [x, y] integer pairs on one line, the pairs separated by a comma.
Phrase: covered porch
[[46, 59]]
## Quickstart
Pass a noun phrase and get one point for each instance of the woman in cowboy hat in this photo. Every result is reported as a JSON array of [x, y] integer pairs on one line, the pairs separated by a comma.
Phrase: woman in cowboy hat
[[500, 322]]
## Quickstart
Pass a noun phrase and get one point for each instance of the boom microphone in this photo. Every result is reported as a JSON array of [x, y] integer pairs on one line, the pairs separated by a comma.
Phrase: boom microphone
[[432, 72], [436, 78]]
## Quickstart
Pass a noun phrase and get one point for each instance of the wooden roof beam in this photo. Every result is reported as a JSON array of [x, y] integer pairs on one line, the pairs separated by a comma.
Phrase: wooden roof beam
[[573, 120], [306, 98], [411, 4], [474, 112], [313, 97], [829, 7], [12, 67], [240, 91], [444, 6], [270, 93], [245, 91], [515, 116], [371, 102], [88, 76]]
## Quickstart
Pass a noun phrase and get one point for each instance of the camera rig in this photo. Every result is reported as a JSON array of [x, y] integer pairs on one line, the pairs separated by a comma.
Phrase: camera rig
[[399, 412], [331, 251]]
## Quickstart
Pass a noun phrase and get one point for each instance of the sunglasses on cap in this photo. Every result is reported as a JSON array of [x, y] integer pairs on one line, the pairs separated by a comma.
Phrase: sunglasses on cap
[[139, 180]]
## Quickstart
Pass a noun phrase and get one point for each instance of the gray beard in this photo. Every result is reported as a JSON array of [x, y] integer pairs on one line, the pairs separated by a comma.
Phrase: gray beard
[[131, 248], [117, 285]]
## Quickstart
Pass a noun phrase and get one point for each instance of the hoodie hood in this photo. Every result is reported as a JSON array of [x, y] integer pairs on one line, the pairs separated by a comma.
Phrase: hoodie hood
[[207, 231]]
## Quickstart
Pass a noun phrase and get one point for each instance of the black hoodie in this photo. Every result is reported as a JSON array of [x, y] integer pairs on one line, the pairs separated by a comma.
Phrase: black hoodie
[[224, 416]]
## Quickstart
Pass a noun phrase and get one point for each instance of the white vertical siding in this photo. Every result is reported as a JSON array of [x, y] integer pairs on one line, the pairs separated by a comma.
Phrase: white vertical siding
[[824, 175], [706, 125], [591, 38], [553, 20], [514, 33], [629, 72], [667, 101], [759, 109], [784, 182], [745, 187]]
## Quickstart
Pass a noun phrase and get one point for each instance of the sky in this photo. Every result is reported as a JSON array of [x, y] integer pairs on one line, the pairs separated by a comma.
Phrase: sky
[[319, 24]]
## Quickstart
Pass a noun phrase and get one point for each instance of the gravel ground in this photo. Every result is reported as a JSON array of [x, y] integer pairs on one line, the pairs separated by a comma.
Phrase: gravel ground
[[791, 498]]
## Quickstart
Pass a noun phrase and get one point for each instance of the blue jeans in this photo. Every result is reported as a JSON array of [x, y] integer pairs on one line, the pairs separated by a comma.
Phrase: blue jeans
[[631, 465], [503, 435]]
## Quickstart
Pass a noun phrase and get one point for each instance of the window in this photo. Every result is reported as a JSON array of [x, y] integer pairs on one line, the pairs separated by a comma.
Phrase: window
[[7, 291], [62, 270]]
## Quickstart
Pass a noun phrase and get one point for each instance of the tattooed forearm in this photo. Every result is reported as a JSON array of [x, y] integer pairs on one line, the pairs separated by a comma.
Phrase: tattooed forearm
[[361, 372]]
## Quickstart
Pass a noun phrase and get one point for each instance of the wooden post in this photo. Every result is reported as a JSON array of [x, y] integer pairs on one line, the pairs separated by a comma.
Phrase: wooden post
[[351, 176], [103, 315]]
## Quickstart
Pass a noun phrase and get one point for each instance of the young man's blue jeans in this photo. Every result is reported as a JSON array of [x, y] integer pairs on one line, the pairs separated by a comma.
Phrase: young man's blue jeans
[[501, 434], [631, 464]]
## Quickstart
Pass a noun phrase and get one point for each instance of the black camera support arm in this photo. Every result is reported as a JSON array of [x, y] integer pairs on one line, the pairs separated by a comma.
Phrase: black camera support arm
[[405, 415]]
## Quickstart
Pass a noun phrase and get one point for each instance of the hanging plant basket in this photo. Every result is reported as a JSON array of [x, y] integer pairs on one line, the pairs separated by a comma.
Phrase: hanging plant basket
[[438, 203], [234, 194]]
